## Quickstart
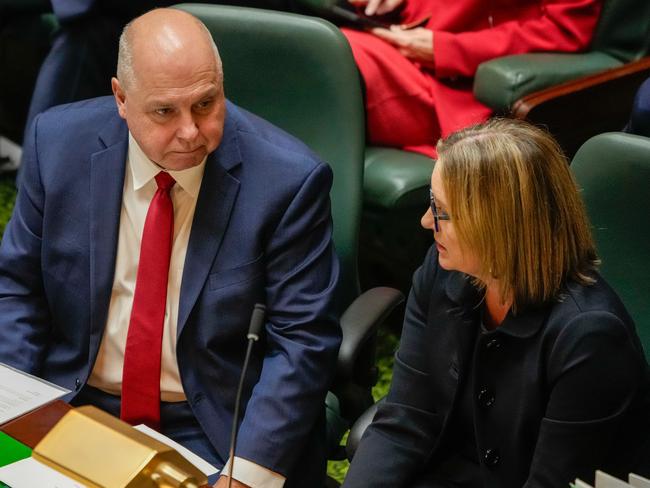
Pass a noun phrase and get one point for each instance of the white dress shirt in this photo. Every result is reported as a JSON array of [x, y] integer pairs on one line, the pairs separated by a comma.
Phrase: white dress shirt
[[139, 188]]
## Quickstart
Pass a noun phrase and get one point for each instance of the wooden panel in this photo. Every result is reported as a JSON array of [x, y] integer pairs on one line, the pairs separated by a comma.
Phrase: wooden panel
[[579, 109], [32, 427]]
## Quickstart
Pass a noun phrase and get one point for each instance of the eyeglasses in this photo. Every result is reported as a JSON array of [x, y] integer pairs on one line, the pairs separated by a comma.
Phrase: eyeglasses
[[438, 215]]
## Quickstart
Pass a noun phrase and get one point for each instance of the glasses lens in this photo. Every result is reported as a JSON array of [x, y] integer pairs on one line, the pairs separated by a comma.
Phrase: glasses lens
[[434, 210]]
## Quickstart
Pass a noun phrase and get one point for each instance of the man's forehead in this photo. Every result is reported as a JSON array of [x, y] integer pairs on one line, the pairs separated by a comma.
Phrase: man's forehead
[[169, 96], [190, 70]]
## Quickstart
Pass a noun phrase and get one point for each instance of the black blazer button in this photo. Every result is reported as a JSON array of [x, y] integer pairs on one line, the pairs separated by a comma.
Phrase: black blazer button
[[491, 457], [77, 384], [485, 397], [493, 345]]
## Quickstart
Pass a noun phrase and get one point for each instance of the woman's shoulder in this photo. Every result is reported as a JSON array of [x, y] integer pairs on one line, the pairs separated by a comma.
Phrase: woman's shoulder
[[590, 314], [577, 299]]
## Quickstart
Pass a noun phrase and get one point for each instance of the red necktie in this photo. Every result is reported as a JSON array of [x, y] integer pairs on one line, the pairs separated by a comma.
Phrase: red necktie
[[141, 372]]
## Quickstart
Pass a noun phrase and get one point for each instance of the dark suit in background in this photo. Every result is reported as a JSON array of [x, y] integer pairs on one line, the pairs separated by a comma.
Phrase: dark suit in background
[[639, 123]]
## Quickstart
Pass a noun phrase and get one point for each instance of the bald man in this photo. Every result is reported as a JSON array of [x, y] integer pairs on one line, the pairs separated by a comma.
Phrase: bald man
[[147, 226]]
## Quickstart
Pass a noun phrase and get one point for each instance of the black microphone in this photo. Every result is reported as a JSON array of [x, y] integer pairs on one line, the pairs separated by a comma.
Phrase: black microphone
[[254, 330]]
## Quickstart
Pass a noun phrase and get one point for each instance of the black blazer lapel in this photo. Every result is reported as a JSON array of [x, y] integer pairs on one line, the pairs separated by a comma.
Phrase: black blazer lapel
[[460, 314]]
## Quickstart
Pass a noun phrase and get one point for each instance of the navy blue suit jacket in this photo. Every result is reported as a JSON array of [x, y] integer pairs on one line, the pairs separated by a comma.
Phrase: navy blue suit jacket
[[261, 233]]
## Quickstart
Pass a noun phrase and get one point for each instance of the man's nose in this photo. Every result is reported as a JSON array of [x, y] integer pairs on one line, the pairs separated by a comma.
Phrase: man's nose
[[188, 128]]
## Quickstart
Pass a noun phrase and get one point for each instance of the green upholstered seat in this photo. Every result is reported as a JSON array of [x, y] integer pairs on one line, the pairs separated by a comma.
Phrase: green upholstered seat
[[613, 171], [388, 184], [298, 73], [395, 195]]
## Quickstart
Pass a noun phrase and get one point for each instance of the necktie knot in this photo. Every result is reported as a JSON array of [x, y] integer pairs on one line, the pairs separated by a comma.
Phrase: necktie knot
[[165, 181]]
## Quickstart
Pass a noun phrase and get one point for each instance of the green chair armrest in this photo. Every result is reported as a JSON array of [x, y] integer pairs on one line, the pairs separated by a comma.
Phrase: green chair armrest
[[499, 83], [395, 178]]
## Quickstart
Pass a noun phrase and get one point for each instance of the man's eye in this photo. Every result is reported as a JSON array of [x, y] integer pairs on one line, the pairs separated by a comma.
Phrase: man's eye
[[204, 104], [163, 111]]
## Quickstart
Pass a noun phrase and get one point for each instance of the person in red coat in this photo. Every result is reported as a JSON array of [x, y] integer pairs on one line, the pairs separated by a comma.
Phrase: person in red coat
[[419, 81]]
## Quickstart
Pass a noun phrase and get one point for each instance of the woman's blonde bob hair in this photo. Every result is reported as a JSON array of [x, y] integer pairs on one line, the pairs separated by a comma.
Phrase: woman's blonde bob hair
[[514, 202]]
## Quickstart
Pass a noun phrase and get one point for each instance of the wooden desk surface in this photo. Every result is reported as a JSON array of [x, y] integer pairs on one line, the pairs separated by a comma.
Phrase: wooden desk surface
[[32, 427]]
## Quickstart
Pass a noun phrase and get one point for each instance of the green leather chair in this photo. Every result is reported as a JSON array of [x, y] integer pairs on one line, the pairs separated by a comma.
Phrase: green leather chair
[[613, 171], [279, 66]]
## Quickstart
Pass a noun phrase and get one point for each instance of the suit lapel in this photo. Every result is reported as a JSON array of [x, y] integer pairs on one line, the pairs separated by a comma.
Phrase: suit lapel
[[106, 187], [464, 320], [214, 206]]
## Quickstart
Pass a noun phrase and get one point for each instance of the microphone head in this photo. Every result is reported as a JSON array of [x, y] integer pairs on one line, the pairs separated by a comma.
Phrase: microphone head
[[257, 321]]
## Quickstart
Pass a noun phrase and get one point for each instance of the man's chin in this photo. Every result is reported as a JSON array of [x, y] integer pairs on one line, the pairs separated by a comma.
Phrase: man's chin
[[180, 161]]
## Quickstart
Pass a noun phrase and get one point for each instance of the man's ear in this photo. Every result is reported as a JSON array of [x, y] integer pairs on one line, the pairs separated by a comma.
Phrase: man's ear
[[120, 97]]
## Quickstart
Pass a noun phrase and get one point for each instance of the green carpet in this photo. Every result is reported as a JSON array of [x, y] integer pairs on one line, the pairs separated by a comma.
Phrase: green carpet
[[7, 198]]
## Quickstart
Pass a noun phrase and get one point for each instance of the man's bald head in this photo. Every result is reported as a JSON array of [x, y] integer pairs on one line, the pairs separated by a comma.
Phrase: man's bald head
[[160, 36]]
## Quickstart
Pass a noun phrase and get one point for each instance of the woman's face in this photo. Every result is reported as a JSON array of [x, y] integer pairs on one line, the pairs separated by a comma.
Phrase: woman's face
[[450, 254]]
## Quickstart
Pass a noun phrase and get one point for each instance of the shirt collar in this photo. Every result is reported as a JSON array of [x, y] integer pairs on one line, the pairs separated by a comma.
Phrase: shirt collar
[[144, 170]]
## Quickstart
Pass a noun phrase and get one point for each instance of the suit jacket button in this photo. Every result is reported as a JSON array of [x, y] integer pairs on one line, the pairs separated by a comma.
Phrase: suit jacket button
[[485, 397], [77, 384], [491, 457], [493, 345]]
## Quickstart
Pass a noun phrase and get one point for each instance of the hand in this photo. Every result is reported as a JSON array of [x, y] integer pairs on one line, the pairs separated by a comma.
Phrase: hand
[[377, 7], [222, 482], [415, 44]]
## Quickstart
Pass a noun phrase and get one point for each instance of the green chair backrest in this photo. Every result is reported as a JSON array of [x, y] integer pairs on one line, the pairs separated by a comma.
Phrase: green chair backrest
[[623, 30], [298, 73], [613, 171]]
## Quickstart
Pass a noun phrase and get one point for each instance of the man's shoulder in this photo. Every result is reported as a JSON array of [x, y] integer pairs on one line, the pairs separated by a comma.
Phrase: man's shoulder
[[91, 112]]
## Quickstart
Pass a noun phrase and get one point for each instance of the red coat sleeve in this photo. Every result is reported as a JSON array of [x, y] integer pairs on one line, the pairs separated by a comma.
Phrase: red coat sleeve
[[563, 25]]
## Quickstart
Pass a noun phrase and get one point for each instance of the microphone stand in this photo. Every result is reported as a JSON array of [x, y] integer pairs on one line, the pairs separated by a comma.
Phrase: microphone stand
[[254, 329]]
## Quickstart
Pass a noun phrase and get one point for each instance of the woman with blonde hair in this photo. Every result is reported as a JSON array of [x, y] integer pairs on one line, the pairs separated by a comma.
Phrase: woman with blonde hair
[[518, 365]]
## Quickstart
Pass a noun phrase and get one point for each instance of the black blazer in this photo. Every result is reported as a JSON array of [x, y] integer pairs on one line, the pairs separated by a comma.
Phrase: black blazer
[[569, 382]]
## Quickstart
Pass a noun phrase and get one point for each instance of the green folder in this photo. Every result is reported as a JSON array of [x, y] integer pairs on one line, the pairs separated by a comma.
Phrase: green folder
[[11, 450]]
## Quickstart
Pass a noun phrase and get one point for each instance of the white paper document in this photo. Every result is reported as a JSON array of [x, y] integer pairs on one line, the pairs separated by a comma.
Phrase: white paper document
[[639, 481], [21, 393], [604, 480], [29, 473]]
